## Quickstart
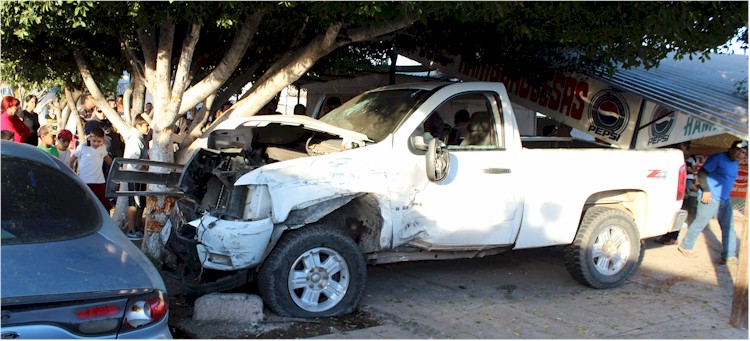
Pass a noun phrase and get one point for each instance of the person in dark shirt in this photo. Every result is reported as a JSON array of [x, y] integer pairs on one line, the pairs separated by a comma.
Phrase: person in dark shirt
[[31, 119]]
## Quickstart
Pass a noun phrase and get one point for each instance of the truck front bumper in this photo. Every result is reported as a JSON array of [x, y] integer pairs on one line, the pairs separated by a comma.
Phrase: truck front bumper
[[214, 254]]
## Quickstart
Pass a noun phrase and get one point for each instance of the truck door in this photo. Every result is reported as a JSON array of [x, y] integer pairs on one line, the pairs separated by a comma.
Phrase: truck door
[[476, 204]]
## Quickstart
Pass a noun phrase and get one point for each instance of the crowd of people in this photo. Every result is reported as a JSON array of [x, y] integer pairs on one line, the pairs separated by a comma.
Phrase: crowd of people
[[90, 158]]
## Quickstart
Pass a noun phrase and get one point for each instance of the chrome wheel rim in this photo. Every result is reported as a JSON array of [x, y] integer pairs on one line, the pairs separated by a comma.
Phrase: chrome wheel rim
[[611, 250], [318, 279]]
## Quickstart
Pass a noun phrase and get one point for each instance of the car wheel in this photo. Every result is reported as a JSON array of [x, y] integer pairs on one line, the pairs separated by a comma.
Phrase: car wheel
[[606, 250], [314, 271]]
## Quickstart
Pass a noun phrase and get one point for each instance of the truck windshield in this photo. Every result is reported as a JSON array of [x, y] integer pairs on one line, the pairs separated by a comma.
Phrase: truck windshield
[[375, 114]]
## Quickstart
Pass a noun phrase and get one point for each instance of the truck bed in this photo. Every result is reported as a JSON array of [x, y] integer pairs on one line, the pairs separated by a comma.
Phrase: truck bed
[[544, 142]]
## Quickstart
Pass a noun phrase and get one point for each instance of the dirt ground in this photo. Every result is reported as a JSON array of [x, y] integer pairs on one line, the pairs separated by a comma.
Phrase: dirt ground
[[520, 294], [273, 327]]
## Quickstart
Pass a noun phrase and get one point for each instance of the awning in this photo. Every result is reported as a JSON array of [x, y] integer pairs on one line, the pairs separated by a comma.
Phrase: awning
[[714, 90]]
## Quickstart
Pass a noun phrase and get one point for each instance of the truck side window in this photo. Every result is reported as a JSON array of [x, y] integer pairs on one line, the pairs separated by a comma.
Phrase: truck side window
[[474, 121]]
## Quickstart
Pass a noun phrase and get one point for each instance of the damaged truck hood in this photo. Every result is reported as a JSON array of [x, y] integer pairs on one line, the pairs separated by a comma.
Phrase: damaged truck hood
[[303, 182], [292, 120]]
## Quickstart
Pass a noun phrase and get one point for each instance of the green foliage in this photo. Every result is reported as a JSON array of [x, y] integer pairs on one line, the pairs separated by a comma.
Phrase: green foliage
[[527, 38], [531, 38]]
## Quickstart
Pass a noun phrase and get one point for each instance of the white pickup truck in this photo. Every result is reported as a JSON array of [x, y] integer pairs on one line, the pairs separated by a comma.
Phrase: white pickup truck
[[302, 205]]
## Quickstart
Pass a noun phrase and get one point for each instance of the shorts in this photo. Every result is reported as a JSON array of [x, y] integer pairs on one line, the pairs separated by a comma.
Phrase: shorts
[[99, 190], [138, 201]]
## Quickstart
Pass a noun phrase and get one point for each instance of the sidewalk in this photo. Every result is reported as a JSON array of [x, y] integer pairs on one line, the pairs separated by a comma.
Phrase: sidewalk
[[529, 294]]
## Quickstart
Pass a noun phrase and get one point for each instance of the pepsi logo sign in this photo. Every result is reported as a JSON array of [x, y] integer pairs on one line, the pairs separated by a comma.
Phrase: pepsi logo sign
[[609, 115], [663, 121]]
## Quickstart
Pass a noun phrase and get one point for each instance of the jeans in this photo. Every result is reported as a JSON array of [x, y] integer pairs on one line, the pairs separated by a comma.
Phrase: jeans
[[723, 212]]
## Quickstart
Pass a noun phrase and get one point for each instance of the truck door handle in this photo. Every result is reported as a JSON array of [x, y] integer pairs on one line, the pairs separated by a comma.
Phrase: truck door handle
[[497, 170]]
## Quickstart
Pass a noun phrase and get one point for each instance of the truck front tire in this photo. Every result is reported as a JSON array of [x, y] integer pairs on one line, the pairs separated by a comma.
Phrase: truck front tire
[[606, 250], [313, 271]]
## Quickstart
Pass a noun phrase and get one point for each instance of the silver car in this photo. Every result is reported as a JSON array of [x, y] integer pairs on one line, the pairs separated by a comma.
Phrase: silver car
[[67, 270]]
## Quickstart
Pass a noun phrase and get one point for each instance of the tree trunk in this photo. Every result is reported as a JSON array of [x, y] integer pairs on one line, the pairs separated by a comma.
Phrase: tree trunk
[[139, 97], [127, 114], [157, 208], [71, 100], [64, 114], [738, 316], [167, 85], [120, 214]]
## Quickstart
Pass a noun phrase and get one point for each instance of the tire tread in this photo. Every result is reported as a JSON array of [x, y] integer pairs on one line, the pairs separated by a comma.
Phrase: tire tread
[[272, 271], [576, 255]]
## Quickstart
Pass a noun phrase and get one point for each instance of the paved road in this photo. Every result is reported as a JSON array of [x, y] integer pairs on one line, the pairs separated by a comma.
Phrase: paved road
[[529, 294]]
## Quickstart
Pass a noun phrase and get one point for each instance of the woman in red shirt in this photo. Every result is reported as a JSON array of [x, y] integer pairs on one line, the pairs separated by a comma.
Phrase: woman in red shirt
[[11, 121]]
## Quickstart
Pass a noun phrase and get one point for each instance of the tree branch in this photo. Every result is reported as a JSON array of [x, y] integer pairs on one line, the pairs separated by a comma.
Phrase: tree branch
[[283, 72], [135, 63], [228, 64], [355, 35], [194, 132], [148, 45], [99, 99], [160, 89], [237, 83], [183, 66]]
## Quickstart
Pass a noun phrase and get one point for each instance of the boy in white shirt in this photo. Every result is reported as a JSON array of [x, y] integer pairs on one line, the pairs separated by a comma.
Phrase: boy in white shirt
[[91, 155]]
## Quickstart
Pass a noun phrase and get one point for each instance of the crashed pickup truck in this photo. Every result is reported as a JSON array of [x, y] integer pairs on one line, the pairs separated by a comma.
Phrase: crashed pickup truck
[[303, 205]]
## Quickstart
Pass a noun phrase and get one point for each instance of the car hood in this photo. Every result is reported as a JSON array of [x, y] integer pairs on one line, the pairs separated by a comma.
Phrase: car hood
[[293, 120], [89, 264]]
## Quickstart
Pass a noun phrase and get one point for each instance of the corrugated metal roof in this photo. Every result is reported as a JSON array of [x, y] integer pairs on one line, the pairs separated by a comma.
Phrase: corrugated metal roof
[[703, 89]]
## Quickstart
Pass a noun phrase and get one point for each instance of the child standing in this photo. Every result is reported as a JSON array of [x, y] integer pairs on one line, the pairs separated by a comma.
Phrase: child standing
[[91, 155], [47, 139], [136, 147], [63, 145]]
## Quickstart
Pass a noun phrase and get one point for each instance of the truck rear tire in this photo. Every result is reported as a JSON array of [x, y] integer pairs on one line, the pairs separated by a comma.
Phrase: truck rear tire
[[606, 250], [313, 271]]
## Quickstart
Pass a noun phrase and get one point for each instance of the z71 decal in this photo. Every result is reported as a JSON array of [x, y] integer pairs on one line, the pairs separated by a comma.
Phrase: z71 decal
[[657, 174]]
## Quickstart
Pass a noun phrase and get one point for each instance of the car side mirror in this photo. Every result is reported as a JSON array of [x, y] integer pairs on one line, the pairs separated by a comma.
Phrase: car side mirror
[[417, 142], [437, 161]]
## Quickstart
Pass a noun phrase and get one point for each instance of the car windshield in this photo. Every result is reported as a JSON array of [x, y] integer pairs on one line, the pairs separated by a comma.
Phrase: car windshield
[[42, 204], [375, 114]]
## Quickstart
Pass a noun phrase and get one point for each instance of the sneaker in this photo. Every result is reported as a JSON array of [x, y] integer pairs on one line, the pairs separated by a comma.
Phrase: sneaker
[[687, 253], [728, 261], [134, 235]]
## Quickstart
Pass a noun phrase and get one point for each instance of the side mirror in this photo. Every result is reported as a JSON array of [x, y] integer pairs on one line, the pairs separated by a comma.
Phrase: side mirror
[[417, 142], [437, 161]]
